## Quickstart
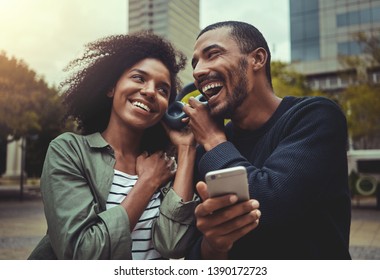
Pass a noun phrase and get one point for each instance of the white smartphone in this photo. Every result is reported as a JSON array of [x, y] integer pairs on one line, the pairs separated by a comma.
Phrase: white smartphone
[[228, 180]]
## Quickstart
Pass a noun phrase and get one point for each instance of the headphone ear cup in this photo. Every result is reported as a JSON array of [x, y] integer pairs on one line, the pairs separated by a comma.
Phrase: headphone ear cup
[[174, 115], [201, 98]]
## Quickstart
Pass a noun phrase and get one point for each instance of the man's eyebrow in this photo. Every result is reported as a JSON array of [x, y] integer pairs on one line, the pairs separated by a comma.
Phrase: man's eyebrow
[[213, 46], [205, 50]]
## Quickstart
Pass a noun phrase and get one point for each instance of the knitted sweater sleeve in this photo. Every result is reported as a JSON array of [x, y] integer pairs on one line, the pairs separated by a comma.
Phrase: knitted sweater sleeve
[[304, 162]]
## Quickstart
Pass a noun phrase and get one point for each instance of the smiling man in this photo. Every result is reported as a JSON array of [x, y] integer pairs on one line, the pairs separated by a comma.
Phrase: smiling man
[[294, 150]]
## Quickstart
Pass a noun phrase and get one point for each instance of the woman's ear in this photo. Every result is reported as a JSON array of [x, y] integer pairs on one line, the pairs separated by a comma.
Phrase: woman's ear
[[111, 92], [258, 58]]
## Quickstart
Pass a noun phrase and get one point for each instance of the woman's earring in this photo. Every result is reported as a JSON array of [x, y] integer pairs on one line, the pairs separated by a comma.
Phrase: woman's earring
[[111, 93]]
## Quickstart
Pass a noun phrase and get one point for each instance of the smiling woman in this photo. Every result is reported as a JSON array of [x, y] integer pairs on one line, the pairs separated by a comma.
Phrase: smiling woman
[[107, 61], [150, 78], [104, 190]]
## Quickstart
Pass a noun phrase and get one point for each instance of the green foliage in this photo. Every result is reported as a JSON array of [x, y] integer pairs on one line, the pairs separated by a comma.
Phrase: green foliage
[[361, 100], [362, 106], [287, 81], [368, 59], [28, 108], [24, 99], [371, 45]]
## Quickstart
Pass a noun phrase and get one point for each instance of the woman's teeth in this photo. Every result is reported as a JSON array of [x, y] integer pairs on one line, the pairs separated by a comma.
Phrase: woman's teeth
[[141, 105]]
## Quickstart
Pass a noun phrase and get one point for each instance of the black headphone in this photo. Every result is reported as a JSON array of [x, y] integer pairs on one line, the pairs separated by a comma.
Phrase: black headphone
[[175, 114]]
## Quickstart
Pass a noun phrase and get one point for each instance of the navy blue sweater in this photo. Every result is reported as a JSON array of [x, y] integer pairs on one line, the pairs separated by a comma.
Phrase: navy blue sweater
[[297, 170]]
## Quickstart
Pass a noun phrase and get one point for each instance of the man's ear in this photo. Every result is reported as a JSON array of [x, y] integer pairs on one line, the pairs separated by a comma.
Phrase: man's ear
[[111, 92], [258, 58]]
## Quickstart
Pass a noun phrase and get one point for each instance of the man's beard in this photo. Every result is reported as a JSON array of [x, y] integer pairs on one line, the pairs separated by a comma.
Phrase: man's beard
[[238, 94]]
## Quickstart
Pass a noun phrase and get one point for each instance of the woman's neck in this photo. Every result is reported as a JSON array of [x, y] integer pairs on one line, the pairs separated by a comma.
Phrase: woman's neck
[[126, 145]]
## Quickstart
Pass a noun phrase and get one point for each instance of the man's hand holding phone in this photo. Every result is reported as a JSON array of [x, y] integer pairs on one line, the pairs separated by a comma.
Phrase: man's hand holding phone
[[223, 219]]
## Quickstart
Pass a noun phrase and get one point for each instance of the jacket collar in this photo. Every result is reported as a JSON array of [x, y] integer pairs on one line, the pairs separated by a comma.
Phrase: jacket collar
[[96, 140]]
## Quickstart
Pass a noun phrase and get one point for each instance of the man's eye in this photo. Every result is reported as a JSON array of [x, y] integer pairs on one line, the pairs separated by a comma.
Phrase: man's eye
[[213, 54], [194, 62]]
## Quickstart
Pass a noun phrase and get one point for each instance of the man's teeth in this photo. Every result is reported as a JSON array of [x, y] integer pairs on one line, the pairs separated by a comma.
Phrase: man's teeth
[[141, 105], [210, 86]]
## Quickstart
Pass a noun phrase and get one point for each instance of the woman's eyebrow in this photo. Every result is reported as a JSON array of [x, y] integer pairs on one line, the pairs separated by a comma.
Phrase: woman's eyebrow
[[164, 82]]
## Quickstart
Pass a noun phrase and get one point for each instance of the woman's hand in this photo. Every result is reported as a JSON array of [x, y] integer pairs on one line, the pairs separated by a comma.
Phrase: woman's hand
[[182, 137], [155, 169]]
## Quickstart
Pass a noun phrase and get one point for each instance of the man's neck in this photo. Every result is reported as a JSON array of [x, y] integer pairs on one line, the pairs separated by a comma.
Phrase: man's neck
[[256, 111]]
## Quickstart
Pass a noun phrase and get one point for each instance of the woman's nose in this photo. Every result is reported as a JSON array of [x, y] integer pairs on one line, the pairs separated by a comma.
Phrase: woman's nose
[[148, 89]]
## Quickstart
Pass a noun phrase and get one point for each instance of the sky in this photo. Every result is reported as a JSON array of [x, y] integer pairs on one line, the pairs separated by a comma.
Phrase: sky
[[47, 34]]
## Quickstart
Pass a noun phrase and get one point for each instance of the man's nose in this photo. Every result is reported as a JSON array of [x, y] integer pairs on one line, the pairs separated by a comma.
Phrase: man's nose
[[200, 70]]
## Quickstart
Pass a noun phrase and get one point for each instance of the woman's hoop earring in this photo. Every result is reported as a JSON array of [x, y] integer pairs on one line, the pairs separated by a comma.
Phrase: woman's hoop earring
[[111, 93]]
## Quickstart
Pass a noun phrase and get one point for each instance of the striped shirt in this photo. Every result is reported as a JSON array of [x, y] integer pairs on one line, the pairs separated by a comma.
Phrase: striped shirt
[[142, 245]]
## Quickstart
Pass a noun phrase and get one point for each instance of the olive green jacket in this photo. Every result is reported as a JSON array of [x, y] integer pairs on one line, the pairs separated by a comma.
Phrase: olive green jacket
[[75, 182]]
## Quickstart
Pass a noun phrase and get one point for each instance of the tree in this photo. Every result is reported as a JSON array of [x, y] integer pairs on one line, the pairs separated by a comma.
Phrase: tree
[[362, 106], [29, 108], [286, 81], [361, 99]]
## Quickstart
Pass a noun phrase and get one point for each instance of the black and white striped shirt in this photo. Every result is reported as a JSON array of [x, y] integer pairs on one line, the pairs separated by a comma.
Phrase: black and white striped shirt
[[142, 246]]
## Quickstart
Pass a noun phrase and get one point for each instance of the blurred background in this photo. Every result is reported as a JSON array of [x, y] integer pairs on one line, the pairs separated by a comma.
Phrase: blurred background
[[319, 47]]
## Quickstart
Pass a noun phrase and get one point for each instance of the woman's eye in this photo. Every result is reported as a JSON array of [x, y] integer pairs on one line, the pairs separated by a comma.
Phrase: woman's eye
[[164, 91], [138, 78]]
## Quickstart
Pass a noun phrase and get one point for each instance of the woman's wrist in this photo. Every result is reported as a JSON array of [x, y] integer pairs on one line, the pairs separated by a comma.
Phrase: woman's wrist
[[148, 184], [186, 148]]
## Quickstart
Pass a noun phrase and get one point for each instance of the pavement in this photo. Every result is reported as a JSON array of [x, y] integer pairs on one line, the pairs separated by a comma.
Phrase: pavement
[[22, 225], [22, 222]]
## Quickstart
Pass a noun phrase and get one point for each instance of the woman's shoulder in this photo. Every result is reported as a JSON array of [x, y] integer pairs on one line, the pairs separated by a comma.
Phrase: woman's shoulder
[[67, 137], [94, 140], [69, 140]]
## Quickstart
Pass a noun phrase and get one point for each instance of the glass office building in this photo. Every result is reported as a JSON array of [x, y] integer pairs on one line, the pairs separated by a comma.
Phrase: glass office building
[[321, 30], [176, 20]]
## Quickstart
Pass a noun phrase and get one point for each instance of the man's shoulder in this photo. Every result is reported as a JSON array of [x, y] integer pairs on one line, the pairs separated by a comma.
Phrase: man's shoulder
[[315, 103], [315, 100]]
